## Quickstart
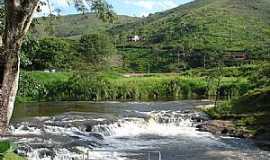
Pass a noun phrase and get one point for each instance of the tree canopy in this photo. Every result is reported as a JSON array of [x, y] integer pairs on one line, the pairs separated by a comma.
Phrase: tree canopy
[[102, 9]]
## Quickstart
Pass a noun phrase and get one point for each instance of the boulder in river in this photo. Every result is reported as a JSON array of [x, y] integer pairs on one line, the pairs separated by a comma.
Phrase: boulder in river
[[221, 127]]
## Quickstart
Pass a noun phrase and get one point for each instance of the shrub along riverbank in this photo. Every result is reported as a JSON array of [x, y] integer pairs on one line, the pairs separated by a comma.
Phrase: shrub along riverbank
[[40, 86], [7, 151], [248, 115]]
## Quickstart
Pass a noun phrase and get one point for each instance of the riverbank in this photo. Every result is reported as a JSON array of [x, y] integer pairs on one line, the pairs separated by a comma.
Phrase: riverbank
[[246, 117], [63, 86]]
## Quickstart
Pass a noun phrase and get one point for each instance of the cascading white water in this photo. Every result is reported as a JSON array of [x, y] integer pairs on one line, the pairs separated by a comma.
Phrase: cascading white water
[[127, 133], [163, 123]]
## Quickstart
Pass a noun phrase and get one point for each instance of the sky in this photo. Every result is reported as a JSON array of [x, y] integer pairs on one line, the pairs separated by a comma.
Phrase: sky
[[136, 8]]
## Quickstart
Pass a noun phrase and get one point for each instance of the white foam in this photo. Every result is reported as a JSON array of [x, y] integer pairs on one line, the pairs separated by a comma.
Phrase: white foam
[[64, 154], [160, 124], [24, 130]]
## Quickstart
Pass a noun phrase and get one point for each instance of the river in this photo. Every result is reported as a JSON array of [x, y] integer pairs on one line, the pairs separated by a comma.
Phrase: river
[[123, 131]]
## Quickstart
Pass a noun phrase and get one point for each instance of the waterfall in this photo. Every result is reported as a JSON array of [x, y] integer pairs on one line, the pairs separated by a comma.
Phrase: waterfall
[[58, 138], [163, 123]]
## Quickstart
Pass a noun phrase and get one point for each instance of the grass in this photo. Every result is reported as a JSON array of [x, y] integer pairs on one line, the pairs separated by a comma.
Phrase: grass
[[40, 86], [49, 77]]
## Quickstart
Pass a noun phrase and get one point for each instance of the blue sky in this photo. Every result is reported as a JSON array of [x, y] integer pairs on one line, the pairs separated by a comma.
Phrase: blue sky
[[124, 7]]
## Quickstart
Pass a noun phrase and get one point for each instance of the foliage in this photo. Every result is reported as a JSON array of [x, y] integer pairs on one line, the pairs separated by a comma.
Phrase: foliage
[[254, 101], [251, 112], [236, 71], [96, 48], [223, 109], [47, 53], [53, 53], [202, 27], [6, 151], [4, 146], [33, 85], [108, 86], [261, 78], [73, 26], [194, 35], [30, 88]]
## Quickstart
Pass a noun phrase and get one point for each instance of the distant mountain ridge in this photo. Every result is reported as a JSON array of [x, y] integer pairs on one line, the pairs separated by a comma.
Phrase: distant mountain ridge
[[73, 26], [206, 25]]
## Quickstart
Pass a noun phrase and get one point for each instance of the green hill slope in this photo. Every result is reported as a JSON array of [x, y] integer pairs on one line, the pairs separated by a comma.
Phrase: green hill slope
[[207, 25], [73, 26]]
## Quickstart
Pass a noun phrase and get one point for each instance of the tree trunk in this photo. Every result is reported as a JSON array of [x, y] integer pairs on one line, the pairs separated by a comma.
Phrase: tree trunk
[[18, 19]]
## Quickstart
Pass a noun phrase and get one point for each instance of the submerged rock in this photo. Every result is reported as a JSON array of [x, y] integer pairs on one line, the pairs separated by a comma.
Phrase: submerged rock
[[221, 127], [46, 153], [97, 136], [262, 138]]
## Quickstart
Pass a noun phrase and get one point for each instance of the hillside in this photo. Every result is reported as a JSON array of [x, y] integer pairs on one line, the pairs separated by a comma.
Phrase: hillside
[[73, 26], [234, 25]]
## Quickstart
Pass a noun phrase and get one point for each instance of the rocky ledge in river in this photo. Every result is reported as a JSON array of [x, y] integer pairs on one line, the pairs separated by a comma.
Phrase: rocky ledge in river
[[228, 128], [220, 127]]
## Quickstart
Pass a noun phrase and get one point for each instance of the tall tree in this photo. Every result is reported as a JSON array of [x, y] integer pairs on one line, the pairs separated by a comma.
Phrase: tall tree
[[18, 18]]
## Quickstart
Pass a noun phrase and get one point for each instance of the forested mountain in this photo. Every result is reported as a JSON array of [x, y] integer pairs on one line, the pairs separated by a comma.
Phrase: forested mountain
[[234, 25], [193, 35]]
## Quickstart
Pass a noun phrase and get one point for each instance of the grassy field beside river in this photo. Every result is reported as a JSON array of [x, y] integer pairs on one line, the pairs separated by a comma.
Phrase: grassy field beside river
[[64, 86]]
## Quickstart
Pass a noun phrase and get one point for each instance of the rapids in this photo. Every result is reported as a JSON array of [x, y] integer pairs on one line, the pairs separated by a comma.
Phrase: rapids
[[122, 131]]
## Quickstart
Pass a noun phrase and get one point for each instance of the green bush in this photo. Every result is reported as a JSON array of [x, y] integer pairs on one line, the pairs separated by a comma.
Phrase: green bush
[[7, 151], [222, 110], [30, 89], [257, 100]]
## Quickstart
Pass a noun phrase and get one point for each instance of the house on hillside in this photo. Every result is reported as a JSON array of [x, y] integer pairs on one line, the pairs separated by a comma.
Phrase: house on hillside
[[236, 55], [135, 38]]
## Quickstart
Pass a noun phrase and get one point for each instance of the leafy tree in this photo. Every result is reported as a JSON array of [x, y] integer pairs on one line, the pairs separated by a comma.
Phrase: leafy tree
[[96, 48], [50, 53]]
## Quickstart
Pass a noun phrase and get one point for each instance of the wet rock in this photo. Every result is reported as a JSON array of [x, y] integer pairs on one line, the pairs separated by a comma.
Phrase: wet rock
[[225, 131], [199, 118], [23, 151], [46, 153], [212, 126], [262, 138], [73, 144], [97, 136], [88, 128], [220, 127], [42, 145], [135, 114]]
